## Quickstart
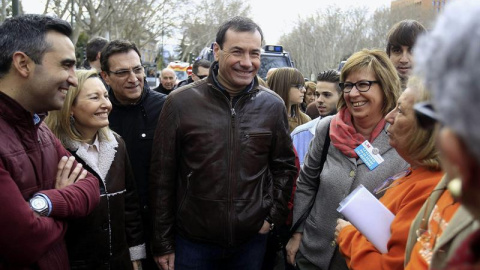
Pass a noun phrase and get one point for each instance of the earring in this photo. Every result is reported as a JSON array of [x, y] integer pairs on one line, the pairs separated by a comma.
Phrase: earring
[[72, 120], [455, 187]]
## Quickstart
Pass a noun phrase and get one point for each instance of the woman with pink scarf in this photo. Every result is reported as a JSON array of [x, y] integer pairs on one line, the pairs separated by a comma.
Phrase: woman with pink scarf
[[358, 153]]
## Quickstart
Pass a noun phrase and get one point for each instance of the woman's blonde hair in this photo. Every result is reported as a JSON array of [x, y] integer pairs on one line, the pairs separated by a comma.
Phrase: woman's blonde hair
[[59, 121], [309, 86], [421, 148], [378, 62]]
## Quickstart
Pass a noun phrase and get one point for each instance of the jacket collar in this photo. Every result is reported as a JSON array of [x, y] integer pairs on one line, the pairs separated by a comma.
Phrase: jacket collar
[[212, 78], [143, 96], [106, 154], [15, 114]]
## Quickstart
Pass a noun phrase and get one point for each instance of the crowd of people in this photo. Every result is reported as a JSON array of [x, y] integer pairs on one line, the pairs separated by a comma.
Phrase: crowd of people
[[227, 171]]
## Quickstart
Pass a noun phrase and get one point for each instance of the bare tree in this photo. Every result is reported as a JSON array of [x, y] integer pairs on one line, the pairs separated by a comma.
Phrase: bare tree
[[140, 21], [201, 22], [321, 41]]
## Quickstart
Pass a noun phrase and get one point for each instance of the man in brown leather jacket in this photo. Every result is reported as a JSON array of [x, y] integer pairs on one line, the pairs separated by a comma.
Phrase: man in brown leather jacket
[[222, 164]]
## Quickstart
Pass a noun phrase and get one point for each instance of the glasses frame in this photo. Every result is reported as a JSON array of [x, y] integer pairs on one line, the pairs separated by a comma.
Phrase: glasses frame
[[342, 86], [124, 73], [299, 86], [388, 183]]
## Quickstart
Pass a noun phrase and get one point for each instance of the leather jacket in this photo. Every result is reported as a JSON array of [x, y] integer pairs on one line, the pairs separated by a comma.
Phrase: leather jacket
[[218, 171]]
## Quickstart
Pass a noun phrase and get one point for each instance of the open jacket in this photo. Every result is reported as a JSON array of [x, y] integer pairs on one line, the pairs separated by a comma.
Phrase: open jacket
[[339, 177], [219, 170], [102, 239], [136, 124], [29, 156]]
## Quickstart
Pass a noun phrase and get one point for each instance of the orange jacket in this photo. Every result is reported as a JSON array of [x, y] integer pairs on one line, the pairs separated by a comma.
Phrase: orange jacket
[[404, 199]]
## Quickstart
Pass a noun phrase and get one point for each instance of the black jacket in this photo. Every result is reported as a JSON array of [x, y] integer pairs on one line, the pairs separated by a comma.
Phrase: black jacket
[[136, 124], [160, 89], [219, 171], [103, 238]]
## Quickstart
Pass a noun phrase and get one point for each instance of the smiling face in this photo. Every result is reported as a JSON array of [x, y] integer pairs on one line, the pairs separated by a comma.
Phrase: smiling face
[[52, 78], [403, 123], [239, 59], [327, 98], [364, 105], [168, 79], [127, 90], [91, 108]]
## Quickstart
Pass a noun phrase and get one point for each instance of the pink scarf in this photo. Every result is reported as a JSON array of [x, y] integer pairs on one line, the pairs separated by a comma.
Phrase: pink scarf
[[344, 136]]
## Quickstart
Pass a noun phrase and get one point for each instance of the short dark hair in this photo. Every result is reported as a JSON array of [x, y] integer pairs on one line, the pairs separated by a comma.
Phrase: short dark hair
[[237, 24], [94, 46], [404, 33], [26, 33], [114, 47], [200, 63], [331, 76]]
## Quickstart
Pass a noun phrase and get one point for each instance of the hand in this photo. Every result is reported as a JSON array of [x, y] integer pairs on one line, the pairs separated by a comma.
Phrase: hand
[[136, 264], [340, 225], [265, 228], [65, 175], [292, 247], [165, 262]]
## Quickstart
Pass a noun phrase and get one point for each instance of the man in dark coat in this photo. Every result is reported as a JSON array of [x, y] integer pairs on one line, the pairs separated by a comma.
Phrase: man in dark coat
[[135, 112]]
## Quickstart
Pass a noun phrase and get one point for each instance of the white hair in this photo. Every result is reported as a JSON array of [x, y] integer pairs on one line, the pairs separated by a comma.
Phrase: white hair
[[448, 58]]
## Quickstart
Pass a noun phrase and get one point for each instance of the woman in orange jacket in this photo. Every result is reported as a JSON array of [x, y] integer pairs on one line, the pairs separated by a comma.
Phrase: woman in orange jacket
[[404, 194]]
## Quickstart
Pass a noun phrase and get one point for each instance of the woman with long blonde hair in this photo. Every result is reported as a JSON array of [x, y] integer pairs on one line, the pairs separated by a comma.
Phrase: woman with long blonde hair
[[111, 236]]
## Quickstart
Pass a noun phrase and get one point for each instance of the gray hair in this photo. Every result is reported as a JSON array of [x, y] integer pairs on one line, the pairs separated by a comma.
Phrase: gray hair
[[449, 59]]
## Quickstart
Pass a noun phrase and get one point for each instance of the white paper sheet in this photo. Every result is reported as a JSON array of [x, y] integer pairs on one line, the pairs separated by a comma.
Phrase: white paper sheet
[[369, 216]]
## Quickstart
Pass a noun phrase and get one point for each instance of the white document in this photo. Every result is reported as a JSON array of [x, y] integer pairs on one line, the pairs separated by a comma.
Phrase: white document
[[369, 216]]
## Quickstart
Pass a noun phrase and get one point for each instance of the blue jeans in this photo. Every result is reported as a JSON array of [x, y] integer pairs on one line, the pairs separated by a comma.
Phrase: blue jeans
[[201, 256]]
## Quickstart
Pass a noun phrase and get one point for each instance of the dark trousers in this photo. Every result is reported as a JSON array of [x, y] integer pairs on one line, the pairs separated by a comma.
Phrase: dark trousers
[[201, 256]]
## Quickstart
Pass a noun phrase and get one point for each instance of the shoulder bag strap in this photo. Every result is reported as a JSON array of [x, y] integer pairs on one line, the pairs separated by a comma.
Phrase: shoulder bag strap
[[304, 216]]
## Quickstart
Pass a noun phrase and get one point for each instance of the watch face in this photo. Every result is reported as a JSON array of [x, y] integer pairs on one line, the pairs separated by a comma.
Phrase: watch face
[[39, 203]]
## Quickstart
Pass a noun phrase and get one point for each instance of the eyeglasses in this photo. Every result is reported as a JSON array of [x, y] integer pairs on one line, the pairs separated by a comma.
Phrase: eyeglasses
[[425, 115], [201, 77], [123, 73], [389, 181], [299, 86], [362, 86]]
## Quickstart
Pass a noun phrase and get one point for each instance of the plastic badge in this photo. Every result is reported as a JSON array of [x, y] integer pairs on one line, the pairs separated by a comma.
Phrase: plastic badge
[[369, 155]]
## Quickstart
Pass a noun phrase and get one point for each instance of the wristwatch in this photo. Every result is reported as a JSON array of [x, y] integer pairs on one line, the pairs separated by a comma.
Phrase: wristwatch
[[269, 220], [40, 205]]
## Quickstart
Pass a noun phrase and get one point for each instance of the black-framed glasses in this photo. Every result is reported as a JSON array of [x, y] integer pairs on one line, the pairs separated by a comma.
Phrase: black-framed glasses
[[123, 73], [425, 115], [299, 86], [201, 77], [362, 86]]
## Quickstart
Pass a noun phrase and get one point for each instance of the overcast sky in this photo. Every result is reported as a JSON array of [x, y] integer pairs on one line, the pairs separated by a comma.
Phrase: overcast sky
[[275, 17]]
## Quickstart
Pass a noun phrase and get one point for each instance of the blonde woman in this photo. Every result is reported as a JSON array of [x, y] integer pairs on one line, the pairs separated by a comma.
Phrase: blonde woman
[[404, 193], [370, 87], [111, 236]]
